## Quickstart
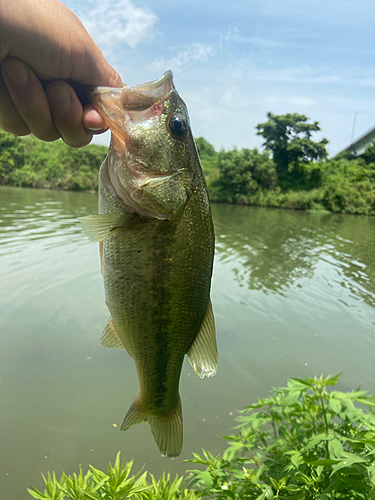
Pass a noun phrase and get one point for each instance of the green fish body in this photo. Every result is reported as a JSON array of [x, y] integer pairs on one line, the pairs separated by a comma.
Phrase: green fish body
[[157, 244]]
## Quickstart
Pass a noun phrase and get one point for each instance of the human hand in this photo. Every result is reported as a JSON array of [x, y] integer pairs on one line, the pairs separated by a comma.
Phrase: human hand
[[46, 60]]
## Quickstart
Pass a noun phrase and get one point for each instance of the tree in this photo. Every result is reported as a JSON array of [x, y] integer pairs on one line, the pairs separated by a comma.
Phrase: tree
[[242, 173], [205, 149], [288, 138], [369, 154], [12, 155]]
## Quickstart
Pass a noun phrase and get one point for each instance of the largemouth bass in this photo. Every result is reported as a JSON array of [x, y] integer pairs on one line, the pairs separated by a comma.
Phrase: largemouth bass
[[156, 244]]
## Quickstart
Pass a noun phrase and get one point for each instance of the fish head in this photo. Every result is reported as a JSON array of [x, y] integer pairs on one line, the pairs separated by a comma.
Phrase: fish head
[[152, 161]]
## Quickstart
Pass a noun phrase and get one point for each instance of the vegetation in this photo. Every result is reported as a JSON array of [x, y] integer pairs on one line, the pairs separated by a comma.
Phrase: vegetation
[[288, 138], [28, 162], [306, 441], [303, 442], [291, 172]]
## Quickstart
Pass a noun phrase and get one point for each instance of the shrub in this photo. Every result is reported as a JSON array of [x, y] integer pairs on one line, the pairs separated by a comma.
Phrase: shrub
[[12, 155], [242, 173], [303, 442]]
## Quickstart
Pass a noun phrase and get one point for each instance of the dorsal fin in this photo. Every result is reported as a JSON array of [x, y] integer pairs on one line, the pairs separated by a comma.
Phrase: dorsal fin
[[203, 352]]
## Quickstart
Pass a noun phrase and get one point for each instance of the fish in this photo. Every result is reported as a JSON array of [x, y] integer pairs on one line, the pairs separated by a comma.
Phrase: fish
[[156, 239]]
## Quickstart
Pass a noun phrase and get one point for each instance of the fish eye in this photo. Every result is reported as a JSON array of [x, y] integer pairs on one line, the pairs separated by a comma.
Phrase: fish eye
[[177, 125]]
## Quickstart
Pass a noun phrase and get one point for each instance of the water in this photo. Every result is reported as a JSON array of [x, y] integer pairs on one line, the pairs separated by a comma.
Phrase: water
[[293, 295]]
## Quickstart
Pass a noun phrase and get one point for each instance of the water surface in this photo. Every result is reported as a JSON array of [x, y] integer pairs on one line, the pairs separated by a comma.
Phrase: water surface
[[293, 295]]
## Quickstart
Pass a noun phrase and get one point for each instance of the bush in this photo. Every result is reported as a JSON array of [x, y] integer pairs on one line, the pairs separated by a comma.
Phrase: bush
[[303, 442], [12, 155], [28, 162], [242, 173]]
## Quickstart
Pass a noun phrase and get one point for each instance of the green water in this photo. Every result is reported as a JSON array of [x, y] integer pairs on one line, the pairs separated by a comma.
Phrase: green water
[[293, 295]]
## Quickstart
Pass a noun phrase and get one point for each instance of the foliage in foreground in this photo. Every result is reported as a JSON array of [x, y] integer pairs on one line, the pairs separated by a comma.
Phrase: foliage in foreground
[[304, 442], [117, 484]]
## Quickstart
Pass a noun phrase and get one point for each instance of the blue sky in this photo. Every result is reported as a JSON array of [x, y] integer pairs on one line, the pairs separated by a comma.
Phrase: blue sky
[[235, 61]]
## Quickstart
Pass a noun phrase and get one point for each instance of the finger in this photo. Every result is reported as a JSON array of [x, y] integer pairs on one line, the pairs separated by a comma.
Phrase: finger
[[67, 114], [10, 119], [29, 98], [93, 120]]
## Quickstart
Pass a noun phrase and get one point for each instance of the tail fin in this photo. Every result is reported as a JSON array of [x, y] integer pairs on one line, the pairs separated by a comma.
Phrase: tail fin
[[167, 429]]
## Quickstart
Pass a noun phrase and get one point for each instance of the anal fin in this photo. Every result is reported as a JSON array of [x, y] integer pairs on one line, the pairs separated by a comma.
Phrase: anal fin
[[110, 337], [203, 354]]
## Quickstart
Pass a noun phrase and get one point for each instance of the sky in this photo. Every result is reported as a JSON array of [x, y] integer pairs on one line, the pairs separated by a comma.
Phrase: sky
[[234, 61]]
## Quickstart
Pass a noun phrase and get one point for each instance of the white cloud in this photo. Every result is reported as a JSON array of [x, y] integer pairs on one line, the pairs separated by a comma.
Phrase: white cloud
[[196, 53], [370, 82], [236, 36], [112, 23]]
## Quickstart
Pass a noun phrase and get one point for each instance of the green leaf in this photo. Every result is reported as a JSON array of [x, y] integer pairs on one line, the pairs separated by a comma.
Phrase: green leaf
[[267, 494], [316, 440], [292, 398], [292, 487], [296, 458], [206, 477], [335, 449], [325, 462], [335, 405], [36, 493], [274, 483]]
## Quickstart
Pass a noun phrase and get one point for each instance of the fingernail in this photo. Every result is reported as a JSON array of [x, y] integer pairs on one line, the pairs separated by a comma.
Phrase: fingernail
[[95, 129], [60, 97], [17, 72]]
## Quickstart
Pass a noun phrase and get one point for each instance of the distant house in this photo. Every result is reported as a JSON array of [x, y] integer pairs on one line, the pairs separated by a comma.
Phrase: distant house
[[359, 145]]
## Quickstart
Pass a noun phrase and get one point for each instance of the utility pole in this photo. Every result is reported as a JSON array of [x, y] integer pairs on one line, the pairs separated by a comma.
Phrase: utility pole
[[354, 120]]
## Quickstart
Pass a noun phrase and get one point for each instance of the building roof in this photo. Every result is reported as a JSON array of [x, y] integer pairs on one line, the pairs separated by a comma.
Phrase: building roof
[[359, 145]]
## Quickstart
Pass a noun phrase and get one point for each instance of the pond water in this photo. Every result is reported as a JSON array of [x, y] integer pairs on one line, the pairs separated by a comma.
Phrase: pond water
[[293, 296]]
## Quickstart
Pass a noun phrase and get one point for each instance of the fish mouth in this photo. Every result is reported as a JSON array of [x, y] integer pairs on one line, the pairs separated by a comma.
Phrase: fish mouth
[[121, 105], [137, 98]]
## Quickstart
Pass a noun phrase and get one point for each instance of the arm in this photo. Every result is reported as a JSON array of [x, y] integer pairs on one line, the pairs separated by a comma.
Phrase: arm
[[45, 56]]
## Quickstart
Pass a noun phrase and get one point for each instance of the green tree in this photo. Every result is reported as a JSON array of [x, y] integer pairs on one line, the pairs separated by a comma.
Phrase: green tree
[[205, 149], [12, 155], [242, 173], [288, 138], [369, 154]]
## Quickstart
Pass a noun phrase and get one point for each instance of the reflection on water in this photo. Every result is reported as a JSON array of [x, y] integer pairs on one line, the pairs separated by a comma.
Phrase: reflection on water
[[27, 215], [279, 249], [293, 295]]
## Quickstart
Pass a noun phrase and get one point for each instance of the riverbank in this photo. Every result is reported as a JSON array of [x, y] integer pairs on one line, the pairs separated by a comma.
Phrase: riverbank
[[245, 177]]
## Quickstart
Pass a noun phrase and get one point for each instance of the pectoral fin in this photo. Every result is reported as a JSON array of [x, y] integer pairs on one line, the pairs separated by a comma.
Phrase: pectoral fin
[[203, 352], [100, 227], [110, 337]]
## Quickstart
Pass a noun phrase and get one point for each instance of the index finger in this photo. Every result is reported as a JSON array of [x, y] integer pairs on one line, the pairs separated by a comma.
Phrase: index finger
[[29, 98]]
